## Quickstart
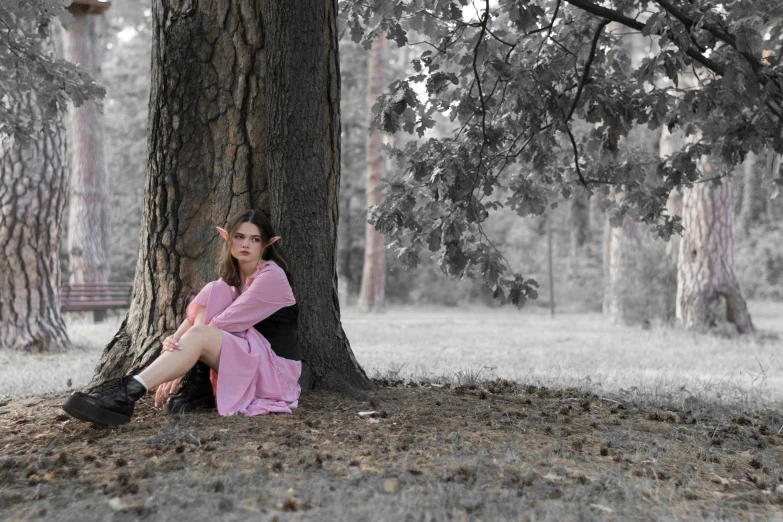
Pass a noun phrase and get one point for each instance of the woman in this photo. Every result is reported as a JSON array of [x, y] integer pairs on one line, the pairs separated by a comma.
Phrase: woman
[[242, 326]]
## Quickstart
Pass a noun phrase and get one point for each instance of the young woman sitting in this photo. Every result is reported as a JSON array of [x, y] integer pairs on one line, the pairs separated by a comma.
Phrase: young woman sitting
[[243, 327]]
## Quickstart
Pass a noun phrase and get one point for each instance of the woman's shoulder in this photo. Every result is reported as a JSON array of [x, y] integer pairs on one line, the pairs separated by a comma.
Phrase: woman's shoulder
[[270, 269]]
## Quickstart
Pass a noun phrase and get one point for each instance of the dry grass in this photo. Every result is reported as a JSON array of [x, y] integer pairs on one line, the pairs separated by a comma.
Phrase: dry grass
[[22, 374], [662, 363], [464, 345], [497, 452], [471, 449]]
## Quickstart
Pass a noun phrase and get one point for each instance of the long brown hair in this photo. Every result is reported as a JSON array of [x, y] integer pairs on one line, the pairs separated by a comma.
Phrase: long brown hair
[[229, 266]]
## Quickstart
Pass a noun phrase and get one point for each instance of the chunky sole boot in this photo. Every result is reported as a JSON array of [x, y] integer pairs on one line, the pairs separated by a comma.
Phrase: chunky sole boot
[[112, 405], [86, 408], [194, 394], [204, 403]]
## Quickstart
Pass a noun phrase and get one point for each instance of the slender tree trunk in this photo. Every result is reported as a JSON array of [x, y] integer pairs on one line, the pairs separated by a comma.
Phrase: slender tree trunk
[[606, 258], [207, 150], [374, 272], [88, 223], [33, 181], [578, 229], [772, 169], [622, 272], [753, 199], [705, 270], [303, 86], [668, 145]]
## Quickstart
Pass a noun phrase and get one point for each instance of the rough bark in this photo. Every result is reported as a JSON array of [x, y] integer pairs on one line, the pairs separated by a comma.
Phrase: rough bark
[[753, 206], [374, 271], [303, 164], [33, 181], [705, 269], [88, 223], [206, 161], [207, 150]]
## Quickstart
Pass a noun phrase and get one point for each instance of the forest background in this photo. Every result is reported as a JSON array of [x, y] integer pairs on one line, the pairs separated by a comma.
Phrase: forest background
[[577, 228], [638, 419]]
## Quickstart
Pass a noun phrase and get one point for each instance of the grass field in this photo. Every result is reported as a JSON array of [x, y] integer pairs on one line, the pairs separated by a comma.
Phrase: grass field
[[661, 363]]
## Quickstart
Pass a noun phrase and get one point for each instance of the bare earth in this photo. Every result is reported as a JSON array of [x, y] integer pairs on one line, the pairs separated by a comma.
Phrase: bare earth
[[596, 422], [496, 451]]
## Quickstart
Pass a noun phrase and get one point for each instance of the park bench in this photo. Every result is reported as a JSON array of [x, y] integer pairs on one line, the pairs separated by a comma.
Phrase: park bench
[[80, 297]]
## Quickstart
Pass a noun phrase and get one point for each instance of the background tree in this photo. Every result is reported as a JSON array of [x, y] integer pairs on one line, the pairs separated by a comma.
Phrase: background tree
[[374, 269], [88, 222], [705, 268], [753, 197], [34, 88], [222, 74]]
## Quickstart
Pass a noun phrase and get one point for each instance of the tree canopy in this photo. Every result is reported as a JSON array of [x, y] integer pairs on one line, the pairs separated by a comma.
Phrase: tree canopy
[[543, 92], [28, 65]]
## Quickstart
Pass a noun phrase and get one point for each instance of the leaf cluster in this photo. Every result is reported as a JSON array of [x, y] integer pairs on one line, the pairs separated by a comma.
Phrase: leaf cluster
[[35, 85], [543, 94]]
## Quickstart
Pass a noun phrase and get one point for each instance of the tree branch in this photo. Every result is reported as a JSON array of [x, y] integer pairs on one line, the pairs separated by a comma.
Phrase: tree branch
[[616, 16], [716, 31], [588, 63]]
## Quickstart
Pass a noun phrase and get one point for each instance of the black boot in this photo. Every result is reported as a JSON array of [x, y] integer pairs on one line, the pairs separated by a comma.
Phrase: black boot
[[194, 394], [113, 404]]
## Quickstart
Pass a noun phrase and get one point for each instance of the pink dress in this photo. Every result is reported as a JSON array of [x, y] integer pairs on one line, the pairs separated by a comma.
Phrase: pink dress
[[252, 379]]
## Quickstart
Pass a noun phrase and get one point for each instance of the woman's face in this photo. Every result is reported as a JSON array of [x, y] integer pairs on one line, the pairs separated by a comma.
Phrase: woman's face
[[247, 245]]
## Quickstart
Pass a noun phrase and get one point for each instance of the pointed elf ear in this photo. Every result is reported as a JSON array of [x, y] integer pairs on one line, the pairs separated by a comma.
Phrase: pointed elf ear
[[273, 240], [223, 233]]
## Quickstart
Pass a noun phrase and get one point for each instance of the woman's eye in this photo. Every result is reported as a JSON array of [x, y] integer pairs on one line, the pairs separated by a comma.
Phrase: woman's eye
[[256, 240]]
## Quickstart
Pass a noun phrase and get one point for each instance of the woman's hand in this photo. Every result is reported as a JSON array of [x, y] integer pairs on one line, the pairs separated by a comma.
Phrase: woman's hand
[[171, 343], [166, 389]]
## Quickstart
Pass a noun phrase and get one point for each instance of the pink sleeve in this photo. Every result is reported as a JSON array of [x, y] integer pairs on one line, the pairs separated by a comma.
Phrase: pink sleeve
[[268, 293]]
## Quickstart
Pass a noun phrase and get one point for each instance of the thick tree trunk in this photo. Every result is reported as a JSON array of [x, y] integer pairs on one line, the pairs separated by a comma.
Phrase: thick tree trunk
[[33, 181], [208, 159], [374, 271], [752, 209], [705, 270], [303, 164], [88, 223]]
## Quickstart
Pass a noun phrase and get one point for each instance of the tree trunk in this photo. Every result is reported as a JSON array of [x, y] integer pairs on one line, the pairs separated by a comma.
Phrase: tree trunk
[[374, 271], [752, 209], [33, 181], [668, 145], [772, 171], [622, 272], [606, 258], [578, 229], [207, 149], [705, 270], [88, 223], [303, 86]]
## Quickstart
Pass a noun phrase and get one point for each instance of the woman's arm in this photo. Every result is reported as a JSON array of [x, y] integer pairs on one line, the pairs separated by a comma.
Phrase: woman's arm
[[170, 343], [268, 293]]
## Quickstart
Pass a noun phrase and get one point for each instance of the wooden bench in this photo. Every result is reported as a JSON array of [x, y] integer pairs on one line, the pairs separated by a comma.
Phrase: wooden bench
[[81, 297]]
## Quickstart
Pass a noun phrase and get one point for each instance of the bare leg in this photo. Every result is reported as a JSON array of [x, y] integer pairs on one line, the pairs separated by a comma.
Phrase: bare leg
[[201, 342]]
